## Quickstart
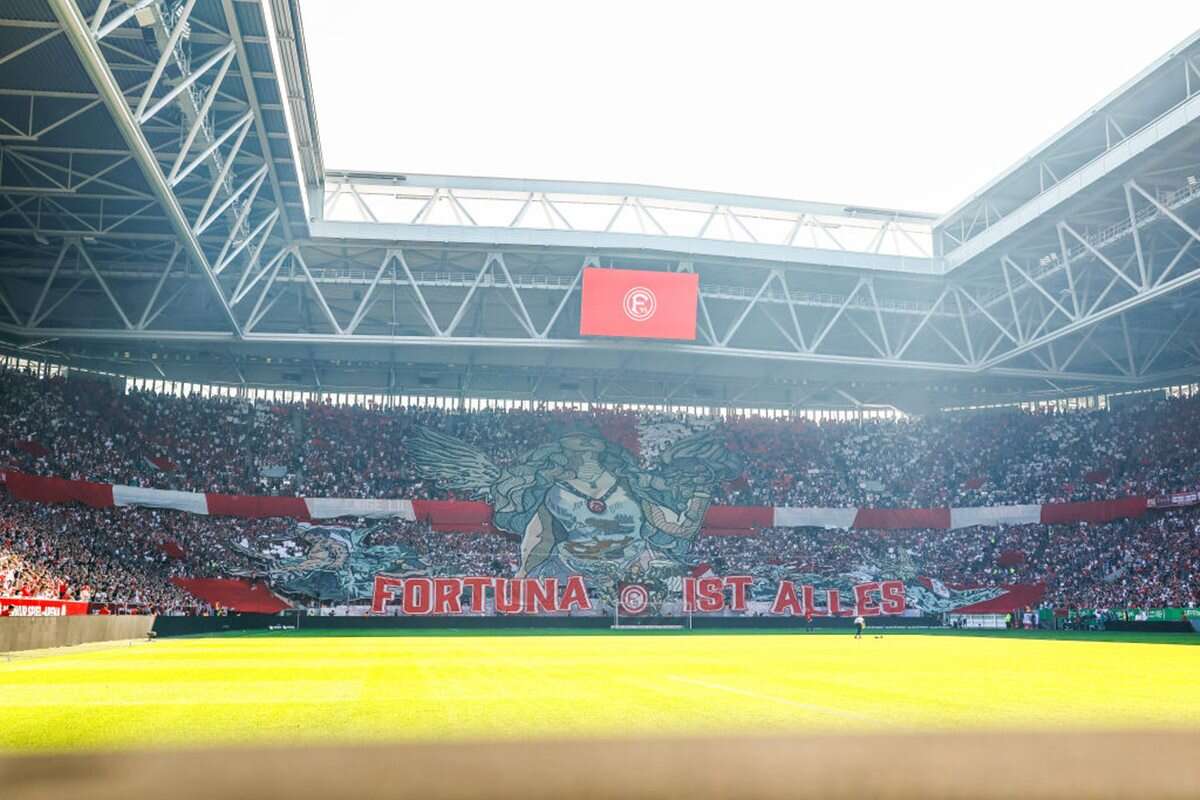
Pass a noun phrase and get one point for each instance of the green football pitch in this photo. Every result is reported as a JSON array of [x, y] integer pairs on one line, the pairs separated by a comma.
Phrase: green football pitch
[[290, 687]]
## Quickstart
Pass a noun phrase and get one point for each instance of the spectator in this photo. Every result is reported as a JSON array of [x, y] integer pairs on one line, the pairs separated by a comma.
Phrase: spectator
[[85, 429]]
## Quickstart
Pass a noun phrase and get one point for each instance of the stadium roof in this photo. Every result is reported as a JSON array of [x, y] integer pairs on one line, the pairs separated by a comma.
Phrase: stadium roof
[[165, 212]]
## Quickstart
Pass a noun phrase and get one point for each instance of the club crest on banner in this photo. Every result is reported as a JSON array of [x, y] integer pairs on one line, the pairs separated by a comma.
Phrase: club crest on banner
[[639, 304], [635, 598]]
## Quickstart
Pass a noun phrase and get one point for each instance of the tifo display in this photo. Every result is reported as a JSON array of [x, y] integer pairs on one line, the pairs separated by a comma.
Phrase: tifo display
[[444, 596], [137, 501]]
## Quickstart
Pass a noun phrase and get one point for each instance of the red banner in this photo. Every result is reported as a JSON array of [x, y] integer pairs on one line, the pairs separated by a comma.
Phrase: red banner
[[737, 520], [1015, 596], [39, 607], [233, 593], [643, 304], [462, 516], [475, 517], [900, 518], [58, 490], [256, 507], [1096, 511]]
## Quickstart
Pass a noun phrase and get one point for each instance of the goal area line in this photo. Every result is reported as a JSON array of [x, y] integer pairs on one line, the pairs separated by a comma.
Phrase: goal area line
[[651, 627]]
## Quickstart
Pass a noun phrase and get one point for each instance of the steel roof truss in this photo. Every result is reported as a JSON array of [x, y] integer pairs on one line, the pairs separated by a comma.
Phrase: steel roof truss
[[241, 292], [162, 279], [959, 290], [1175, 260], [179, 290], [369, 296], [37, 323], [422, 305], [8, 306], [37, 307], [1103, 259], [520, 312], [953, 347], [321, 302], [1036, 285], [260, 234], [854, 324], [87, 259], [255, 316], [100, 28], [921, 323], [224, 57], [84, 41]]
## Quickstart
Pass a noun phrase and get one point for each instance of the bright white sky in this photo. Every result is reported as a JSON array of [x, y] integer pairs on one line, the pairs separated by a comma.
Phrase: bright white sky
[[910, 105]]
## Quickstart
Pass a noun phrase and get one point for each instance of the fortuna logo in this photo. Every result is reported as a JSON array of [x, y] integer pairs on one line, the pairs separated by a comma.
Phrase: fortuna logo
[[639, 304], [634, 598]]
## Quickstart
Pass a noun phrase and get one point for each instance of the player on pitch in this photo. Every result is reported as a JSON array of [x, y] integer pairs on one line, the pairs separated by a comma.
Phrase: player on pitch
[[859, 624]]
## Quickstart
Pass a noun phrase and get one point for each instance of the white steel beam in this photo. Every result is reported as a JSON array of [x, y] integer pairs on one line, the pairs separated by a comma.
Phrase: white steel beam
[[103, 284], [256, 108], [81, 38], [162, 279], [62, 252], [564, 345]]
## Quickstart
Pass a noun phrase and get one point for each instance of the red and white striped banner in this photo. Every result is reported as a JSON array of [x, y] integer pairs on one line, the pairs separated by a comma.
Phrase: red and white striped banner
[[105, 495], [472, 516]]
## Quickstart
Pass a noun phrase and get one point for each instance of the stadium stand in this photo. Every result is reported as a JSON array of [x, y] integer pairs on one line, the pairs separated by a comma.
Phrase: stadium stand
[[243, 391], [90, 430], [137, 558]]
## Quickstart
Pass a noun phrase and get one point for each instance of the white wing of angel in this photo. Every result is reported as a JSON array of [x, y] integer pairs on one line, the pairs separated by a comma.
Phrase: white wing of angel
[[452, 463]]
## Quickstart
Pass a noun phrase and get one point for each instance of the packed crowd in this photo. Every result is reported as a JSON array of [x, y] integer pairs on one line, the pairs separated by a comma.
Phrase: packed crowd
[[88, 429], [975, 459], [128, 556], [1151, 562], [75, 553]]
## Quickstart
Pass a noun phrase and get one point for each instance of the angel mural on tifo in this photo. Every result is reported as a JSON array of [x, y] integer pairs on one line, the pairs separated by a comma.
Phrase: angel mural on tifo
[[582, 505]]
